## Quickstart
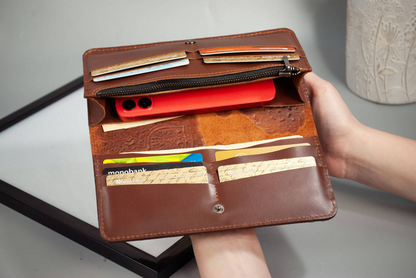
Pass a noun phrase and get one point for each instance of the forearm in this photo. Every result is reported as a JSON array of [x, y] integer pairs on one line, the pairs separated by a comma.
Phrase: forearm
[[384, 161], [235, 253]]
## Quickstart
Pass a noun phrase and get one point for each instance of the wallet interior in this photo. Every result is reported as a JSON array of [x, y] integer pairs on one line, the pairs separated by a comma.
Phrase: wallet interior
[[140, 211]]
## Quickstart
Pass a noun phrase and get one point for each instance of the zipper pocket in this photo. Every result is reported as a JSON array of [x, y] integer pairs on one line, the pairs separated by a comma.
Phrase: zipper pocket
[[177, 84]]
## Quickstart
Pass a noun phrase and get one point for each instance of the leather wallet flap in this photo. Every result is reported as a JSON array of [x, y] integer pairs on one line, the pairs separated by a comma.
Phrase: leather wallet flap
[[196, 73]]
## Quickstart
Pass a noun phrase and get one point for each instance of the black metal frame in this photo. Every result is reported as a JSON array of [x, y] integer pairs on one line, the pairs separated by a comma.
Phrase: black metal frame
[[79, 231]]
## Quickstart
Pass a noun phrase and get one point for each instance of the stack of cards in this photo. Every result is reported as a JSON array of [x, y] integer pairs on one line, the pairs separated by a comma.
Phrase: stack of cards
[[141, 63], [164, 61], [248, 58], [191, 167]]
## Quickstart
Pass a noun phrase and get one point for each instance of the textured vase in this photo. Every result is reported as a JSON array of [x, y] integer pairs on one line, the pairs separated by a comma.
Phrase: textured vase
[[381, 50]]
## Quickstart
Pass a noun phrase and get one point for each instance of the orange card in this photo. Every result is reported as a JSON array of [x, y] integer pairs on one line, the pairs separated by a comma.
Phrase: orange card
[[242, 49]]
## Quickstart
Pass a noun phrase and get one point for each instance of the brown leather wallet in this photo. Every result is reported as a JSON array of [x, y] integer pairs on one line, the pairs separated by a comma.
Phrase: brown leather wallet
[[141, 211]]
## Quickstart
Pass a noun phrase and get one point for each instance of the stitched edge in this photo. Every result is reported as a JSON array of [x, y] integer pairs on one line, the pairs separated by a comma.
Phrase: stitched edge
[[331, 195], [193, 51], [129, 47], [215, 184], [305, 90], [97, 180], [100, 211], [262, 223]]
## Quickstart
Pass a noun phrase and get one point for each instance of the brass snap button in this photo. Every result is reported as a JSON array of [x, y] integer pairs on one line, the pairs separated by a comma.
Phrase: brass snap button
[[190, 42], [219, 209]]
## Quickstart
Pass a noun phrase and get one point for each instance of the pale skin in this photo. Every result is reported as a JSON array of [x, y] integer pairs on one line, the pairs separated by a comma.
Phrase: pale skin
[[352, 151]]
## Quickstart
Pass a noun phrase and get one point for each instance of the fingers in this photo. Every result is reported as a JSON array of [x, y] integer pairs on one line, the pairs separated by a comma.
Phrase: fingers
[[323, 93], [317, 85], [326, 101], [311, 78]]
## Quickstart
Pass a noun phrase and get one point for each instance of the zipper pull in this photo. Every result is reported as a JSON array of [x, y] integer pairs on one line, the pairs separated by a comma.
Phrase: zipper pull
[[289, 70]]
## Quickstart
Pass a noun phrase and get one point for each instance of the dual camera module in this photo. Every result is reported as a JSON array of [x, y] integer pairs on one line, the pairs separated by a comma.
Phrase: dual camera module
[[131, 104]]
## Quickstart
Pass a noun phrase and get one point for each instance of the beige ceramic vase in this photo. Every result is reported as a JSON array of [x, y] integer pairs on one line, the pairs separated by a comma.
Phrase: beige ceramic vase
[[381, 50]]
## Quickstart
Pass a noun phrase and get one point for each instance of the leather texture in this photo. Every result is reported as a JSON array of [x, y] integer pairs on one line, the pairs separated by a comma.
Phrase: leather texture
[[102, 57], [130, 212]]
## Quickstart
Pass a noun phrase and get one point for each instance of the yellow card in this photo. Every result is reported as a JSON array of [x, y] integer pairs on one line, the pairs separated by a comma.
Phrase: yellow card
[[196, 174], [253, 169], [221, 155]]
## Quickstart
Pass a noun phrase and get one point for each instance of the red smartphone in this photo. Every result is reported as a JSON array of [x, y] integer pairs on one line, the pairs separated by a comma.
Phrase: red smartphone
[[196, 101]]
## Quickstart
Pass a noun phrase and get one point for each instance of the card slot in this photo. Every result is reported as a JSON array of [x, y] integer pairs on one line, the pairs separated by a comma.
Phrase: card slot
[[112, 165], [310, 140], [128, 70], [142, 167], [213, 166], [173, 209], [275, 39], [300, 194], [209, 154], [167, 158], [252, 54], [202, 152], [293, 57], [99, 167], [247, 51], [276, 58], [152, 210], [282, 154], [126, 56], [103, 157], [208, 168]]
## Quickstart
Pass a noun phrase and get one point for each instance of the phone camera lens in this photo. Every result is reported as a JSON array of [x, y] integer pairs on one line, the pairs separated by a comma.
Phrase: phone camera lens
[[145, 102], [129, 104]]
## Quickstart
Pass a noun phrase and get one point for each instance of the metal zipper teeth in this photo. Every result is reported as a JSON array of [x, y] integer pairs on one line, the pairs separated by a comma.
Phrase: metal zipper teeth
[[179, 85]]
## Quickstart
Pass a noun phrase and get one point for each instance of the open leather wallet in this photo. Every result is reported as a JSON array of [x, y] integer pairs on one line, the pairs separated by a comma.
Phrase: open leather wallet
[[205, 172]]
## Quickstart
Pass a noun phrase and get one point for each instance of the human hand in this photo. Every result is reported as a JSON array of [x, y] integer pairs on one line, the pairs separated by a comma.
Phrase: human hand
[[357, 152], [233, 253], [335, 124]]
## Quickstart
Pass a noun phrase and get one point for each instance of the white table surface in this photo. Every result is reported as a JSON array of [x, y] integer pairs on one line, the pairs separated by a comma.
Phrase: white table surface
[[48, 156], [373, 234]]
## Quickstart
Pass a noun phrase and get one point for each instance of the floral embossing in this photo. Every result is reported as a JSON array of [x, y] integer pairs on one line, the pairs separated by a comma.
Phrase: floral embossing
[[382, 56]]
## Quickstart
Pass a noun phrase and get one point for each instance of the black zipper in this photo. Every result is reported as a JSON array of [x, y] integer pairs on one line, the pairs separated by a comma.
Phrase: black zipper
[[176, 84]]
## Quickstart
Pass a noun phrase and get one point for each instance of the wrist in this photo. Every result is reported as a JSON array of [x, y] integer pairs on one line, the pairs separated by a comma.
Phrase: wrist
[[358, 142], [235, 253], [232, 238]]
